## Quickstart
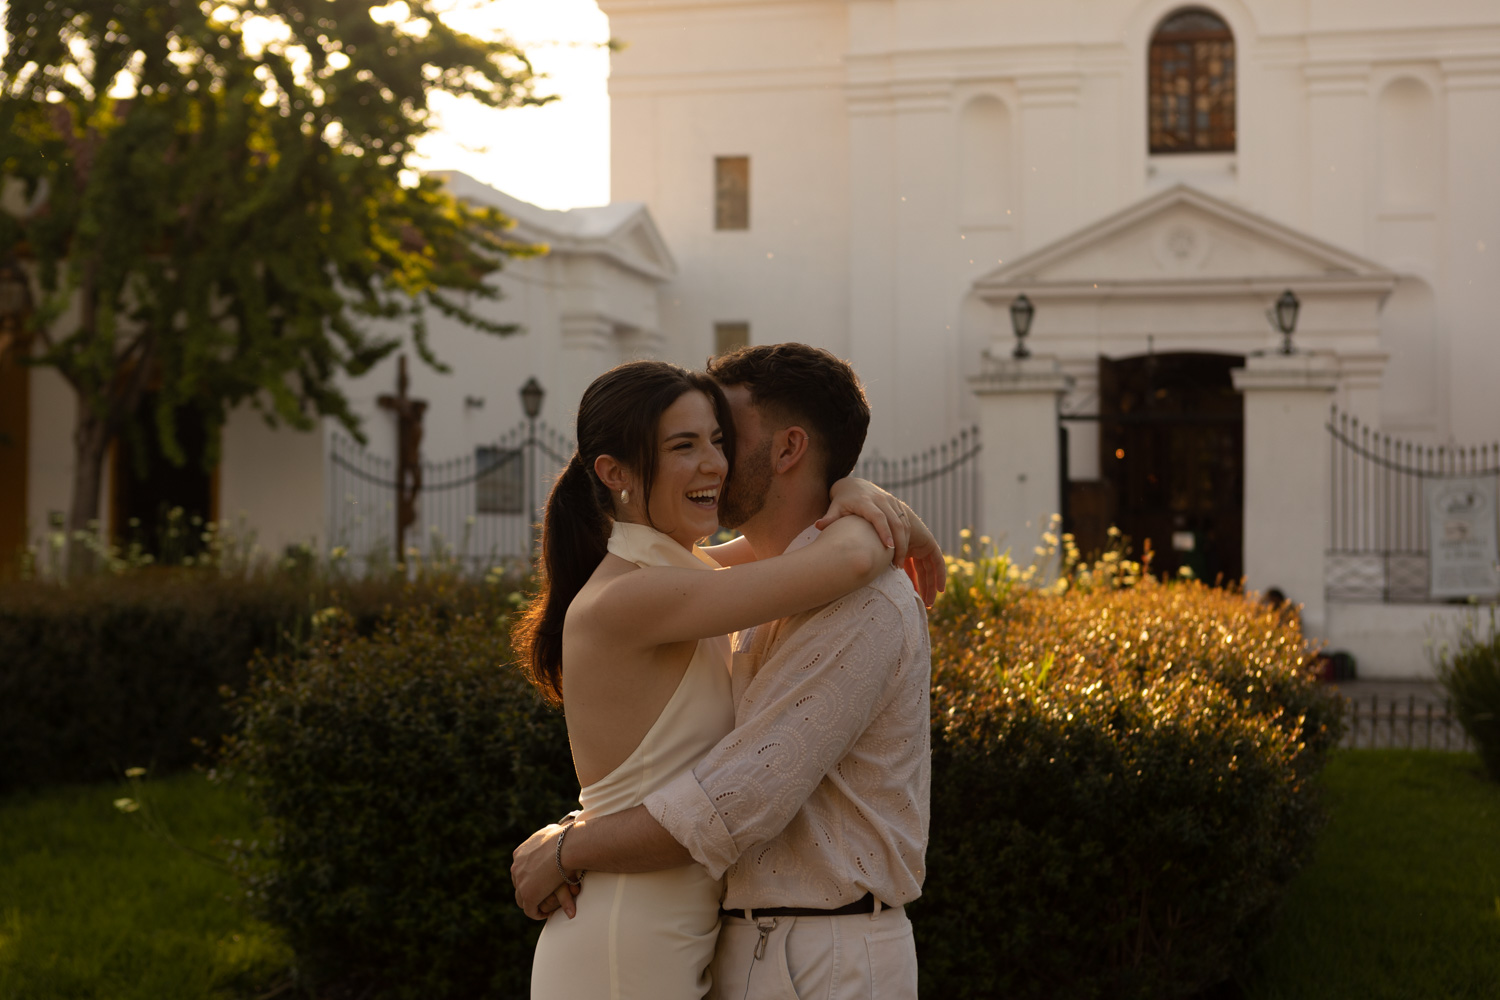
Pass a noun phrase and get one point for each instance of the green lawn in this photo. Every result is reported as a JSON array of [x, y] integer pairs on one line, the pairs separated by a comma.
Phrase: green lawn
[[1403, 899], [92, 905]]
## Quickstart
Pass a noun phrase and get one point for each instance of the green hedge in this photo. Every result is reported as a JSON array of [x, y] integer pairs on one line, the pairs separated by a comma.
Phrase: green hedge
[[1470, 672], [1121, 785], [118, 671], [1121, 791], [397, 772]]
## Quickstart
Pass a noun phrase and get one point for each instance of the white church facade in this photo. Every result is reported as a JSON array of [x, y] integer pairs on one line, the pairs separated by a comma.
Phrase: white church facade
[[889, 178], [903, 156]]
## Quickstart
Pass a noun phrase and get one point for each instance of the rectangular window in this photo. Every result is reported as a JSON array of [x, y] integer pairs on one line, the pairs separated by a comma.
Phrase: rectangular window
[[498, 486], [730, 336], [731, 192]]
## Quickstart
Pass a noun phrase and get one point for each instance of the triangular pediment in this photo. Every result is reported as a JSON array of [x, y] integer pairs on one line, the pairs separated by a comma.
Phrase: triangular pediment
[[622, 231], [1180, 236], [639, 244]]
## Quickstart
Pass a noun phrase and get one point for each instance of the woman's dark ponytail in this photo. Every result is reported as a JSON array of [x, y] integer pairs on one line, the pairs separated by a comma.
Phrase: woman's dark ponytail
[[618, 416], [575, 536]]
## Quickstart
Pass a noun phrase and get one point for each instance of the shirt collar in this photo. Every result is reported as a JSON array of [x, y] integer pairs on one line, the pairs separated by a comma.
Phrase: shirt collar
[[806, 538]]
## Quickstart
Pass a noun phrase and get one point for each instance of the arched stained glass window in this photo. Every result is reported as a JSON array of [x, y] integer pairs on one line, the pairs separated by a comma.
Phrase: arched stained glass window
[[1191, 84]]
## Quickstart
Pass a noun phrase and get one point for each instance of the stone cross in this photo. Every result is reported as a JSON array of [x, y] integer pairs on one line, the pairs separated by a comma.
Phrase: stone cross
[[408, 454]]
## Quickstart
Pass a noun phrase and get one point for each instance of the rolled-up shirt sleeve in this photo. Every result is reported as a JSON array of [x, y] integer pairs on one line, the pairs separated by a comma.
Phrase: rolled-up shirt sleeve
[[808, 705]]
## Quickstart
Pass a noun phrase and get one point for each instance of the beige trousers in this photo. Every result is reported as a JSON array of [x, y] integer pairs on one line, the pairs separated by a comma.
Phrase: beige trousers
[[859, 956]]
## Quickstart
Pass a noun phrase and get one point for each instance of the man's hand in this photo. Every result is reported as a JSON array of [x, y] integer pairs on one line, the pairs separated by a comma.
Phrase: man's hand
[[540, 890], [888, 515]]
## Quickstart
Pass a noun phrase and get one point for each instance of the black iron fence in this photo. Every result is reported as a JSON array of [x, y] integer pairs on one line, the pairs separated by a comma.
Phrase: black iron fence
[[1414, 725], [941, 484], [480, 509], [1378, 544]]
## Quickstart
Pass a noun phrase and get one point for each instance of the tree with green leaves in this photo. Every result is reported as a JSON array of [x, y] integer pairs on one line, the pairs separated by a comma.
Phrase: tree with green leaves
[[214, 202]]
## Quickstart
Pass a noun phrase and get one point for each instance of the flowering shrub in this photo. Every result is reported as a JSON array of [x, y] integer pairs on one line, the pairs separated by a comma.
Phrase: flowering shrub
[[1122, 787], [1121, 779]]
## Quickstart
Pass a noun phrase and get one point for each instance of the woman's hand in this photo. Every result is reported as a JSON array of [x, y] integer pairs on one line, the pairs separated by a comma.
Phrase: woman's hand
[[540, 890], [915, 549], [924, 561], [861, 498]]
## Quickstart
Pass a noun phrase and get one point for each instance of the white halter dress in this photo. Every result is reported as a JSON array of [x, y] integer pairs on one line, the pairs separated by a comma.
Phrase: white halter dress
[[649, 936]]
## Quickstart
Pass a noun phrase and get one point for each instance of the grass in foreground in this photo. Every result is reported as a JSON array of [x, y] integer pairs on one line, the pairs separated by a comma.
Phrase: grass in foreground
[[92, 905], [1401, 903], [1403, 899]]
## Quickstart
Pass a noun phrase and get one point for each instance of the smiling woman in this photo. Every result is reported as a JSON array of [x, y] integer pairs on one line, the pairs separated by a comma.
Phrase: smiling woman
[[689, 471]]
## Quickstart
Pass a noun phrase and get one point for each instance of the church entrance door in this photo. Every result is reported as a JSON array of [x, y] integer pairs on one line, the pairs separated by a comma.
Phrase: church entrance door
[[1171, 462]]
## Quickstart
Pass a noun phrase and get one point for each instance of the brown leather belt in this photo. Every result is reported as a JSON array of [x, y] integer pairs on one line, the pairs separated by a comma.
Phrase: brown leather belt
[[865, 904]]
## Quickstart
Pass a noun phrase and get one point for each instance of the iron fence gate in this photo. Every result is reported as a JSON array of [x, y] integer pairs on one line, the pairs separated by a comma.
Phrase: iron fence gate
[[482, 509], [1378, 542], [479, 509], [1425, 726], [941, 484]]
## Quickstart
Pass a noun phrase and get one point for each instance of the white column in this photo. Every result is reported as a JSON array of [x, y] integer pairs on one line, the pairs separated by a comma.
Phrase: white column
[[1020, 476], [1361, 374], [1338, 109], [1469, 297], [873, 228], [637, 342], [1287, 478], [588, 349], [1049, 139]]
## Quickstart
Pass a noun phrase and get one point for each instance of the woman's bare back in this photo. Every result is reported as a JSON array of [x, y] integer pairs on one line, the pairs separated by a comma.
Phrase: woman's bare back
[[613, 689]]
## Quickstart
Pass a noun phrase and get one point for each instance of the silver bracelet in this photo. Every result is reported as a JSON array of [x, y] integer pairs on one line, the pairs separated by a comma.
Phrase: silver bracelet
[[567, 824]]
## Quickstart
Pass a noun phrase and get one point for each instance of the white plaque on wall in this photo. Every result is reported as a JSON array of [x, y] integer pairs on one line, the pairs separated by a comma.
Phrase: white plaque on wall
[[1461, 533]]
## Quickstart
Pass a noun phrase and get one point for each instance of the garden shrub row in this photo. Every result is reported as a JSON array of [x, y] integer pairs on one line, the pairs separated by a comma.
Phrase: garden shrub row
[[1121, 785], [1121, 790], [396, 772], [118, 671], [1470, 672]]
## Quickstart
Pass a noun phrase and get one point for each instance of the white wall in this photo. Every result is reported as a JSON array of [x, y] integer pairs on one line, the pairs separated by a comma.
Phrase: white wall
[[1370, 125], [757, 80], [272, 482], [1392, 641], [49, 481]]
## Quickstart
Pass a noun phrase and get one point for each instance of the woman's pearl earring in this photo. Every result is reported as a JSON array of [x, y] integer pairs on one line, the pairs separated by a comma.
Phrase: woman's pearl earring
[[624, 496]]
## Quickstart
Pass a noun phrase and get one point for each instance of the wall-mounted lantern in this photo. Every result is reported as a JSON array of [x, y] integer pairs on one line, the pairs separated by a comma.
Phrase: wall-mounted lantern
[[1286, 319], [532, 395], [1021, 313]]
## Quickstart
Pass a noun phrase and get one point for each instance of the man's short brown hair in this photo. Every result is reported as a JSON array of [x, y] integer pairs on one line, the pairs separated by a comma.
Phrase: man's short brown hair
[[806, 386]]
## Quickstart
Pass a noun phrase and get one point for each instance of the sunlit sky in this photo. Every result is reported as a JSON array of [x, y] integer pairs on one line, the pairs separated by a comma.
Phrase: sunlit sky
[[555, 156]]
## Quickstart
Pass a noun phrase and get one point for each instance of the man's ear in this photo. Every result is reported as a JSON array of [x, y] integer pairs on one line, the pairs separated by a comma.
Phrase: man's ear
[[789, 448], [612, 474]]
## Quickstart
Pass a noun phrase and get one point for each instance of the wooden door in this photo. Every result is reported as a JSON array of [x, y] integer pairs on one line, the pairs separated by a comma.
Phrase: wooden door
[[1171, 448]]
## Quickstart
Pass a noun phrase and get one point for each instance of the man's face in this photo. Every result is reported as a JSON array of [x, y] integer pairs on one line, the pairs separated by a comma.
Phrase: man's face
[[750, 479]]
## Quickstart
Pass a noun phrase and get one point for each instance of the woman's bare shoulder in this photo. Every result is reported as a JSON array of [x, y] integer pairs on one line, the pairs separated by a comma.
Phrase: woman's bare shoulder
[[584, 612]]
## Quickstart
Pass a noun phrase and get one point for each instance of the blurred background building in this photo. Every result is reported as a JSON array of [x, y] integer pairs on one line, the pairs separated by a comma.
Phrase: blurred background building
[[1056, 239]]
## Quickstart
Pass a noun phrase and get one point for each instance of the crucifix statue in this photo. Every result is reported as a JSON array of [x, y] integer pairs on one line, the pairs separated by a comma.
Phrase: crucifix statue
[[408, 454]]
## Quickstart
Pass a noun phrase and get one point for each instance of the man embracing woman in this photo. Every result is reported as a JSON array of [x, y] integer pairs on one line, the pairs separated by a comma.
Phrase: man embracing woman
[[749, 722]]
